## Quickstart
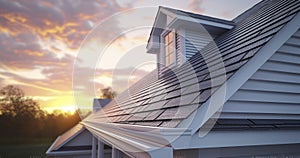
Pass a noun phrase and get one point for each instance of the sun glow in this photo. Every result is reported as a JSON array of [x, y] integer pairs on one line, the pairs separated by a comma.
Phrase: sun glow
[[68, 109]]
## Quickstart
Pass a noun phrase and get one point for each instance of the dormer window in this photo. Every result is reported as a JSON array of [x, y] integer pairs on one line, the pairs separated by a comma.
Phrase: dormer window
[[177, 36], [169, 55]]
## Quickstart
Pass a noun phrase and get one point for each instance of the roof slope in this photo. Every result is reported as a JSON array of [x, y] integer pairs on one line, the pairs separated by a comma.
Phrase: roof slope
[[158, 103], [64, 138]]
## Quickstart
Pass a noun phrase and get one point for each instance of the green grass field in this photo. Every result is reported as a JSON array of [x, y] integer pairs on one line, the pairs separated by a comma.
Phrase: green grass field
[[23, 148], [23, 151]]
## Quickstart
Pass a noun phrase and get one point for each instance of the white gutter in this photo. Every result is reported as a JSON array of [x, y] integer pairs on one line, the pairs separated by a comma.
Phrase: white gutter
[[138, 140]]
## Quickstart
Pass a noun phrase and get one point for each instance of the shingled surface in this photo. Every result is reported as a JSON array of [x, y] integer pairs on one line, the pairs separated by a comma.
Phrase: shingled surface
[[165, 102]]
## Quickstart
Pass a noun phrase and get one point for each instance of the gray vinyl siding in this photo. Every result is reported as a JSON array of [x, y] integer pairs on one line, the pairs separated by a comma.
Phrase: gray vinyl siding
[[274, 89], [179, 50], [195, 41], [262, 151]]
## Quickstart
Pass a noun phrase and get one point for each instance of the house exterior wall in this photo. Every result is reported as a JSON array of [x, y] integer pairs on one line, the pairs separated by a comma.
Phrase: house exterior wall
[[195, 41], [276, 151], [83, 139], [190, 153], [274, 88], [178, 46]]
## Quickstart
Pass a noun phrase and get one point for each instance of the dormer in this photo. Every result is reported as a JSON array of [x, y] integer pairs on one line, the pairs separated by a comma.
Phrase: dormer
[[177, 35]]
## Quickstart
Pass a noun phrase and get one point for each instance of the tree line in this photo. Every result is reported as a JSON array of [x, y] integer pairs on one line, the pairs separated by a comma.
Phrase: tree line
[[22, 120]]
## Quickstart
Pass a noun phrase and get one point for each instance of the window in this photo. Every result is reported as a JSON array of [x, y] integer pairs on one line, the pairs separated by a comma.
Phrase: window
[[169, 48]]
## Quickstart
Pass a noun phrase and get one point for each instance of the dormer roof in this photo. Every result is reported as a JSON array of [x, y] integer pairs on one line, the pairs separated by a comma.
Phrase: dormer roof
[[168, 18]]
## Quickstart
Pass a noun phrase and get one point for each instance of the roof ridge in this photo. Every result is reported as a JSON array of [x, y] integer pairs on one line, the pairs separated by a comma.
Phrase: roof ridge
[[250, 11], [193, 14]]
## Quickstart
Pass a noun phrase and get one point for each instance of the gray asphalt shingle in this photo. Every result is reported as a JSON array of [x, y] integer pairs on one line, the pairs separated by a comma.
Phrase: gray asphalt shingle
[[160, 102]]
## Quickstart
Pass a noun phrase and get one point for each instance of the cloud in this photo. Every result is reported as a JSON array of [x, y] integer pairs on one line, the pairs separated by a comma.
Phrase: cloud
[[196, 5], [66, 20], [39, 41], [43, 36]]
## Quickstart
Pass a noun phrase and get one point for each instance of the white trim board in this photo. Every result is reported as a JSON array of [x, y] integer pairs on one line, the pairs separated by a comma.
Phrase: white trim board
[[217, 139]]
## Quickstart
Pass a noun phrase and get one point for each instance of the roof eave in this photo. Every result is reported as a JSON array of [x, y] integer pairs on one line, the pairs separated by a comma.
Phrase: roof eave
[[67, 153], [140, 139], [222, 25]]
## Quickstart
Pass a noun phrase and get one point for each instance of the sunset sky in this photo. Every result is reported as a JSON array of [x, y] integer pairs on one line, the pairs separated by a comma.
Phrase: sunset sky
[[41, 40]]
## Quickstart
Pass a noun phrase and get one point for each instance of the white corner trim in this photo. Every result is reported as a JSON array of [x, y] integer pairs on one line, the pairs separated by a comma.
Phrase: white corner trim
[[206, 111]]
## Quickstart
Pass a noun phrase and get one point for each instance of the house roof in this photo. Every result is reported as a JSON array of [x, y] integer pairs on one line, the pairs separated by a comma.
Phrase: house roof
[[251, 11], [197, 16], [180, 17], [173, 97], [67, 136]]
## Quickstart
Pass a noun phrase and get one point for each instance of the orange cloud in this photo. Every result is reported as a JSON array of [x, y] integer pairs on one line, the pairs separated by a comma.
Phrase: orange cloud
[[44, 36]]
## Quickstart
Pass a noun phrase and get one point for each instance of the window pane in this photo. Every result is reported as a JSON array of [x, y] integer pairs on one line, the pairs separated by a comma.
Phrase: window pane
[[171, 36], [169, 49], [167, 60]]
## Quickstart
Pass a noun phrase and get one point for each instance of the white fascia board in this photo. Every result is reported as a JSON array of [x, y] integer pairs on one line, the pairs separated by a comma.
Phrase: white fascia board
[[149, 43], [190, 19], [50, 148], [152, 129], [66, 153], [218, 139], [168, 13], [153, 47], [198, 118], [121, 138]]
